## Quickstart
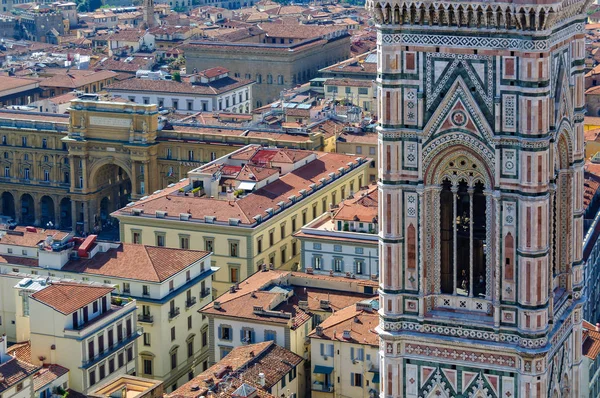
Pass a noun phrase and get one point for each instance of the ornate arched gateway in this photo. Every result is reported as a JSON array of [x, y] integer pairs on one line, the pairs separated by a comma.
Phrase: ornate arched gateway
[[481, 170]]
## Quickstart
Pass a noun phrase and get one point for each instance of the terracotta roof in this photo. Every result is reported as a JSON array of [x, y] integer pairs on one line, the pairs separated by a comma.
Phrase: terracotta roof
[[166, 86], [132, 35], [296, 31], [213, 72], [11, 83], [257, 202], [33, 116], [348, 83], [593, 90], [76, 78], [47, 375], [140, 262], [21, 351], [13, 371], [367, 138], [20, 236], [243, 365], [591, 341], [67, 298], [360, 323], [265, 289], [254, 173], [590, 188], [363, 207]]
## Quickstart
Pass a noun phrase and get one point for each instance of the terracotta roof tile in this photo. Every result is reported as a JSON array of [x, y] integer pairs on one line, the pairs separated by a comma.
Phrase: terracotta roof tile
[[166, 86], [76, 78], [21, 351], [363, 207], [21, 236], [591, 341], [67, 298], [13, 371], [47, 375], [360, 323], [243, 365], [140, 262]]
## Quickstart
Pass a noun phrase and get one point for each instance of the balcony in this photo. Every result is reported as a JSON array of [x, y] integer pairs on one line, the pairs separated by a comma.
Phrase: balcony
[[86, 364], [190, 302], [320, 386], [173, 313], [146, 318], [117, 310], [205, 292]]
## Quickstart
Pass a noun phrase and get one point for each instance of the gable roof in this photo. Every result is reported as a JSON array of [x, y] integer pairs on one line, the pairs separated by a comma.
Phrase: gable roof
[[13, 371], [67, 298], [140, 262]]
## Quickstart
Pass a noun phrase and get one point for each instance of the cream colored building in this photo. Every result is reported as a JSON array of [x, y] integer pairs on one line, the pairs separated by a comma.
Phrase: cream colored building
[[361, 93], [345, 353], [169, 286], [244, 207], [279, 306], [74, 170], [84, 329], [17, 375]]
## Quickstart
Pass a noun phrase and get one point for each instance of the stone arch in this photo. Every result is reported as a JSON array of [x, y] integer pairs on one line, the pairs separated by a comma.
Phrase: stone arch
[[441, 158], [28, 215], [47, 216], [92, 174], [65, 213], [8, 205]]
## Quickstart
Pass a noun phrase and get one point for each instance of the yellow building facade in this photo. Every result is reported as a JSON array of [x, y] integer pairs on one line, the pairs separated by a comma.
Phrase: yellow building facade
[[239, 249], [74, 170]]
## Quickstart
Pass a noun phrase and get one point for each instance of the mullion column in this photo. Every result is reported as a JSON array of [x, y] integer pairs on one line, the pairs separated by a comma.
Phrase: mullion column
[[454, 191], [471, 247]]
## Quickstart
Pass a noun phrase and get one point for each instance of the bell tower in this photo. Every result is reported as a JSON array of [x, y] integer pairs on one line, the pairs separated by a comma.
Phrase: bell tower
[[481, 155], [148, 10]]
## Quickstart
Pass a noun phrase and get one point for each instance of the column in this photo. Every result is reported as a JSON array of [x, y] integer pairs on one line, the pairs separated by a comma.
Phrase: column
[[86, 216], [74, 215], [420, 252], [146, 172], [497, 243], [454, 190], [471, 247], [72, 171], [57, 217], [18, 208], [134, 190], [434, 231], [84, 173], [37, 206]]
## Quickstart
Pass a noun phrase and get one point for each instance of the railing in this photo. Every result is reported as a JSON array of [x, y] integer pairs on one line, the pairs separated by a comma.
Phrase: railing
[[319, 386], [147, 318], [190, 302], [173, 313], [112, 349], [205, 292], [464, 303]]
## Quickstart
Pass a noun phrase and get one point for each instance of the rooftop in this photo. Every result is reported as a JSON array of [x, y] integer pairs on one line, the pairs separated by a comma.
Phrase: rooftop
[[138, 262], [591, 340], [241, 368], [287, 297], [218, 86], [359, 319], [30, 237], [13, 371], [67, 298], [300, 174], [75, 78], [47, 375]]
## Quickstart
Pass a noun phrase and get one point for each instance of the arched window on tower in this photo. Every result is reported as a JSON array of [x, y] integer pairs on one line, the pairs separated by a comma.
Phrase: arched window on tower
[[462, 237]]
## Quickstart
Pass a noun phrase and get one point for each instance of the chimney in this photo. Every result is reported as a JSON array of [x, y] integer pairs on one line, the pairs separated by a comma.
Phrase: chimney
[[319, 330], [271, 266], [232, 289], [598, 327], [217, 305], [261, 379]]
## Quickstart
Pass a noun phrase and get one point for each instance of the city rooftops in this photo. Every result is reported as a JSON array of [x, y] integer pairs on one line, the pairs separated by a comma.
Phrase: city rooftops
[[283, 178], [354, 324], [591, 340], [31, 236], [193, 85], [243, 368], [67, 298], [287, 297], [14, 371], [137, 262]]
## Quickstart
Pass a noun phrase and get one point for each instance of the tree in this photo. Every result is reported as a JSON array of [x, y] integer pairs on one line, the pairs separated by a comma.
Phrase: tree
[[177, 76]]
